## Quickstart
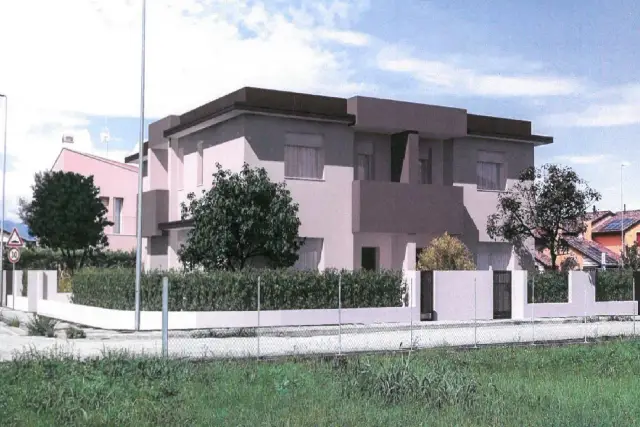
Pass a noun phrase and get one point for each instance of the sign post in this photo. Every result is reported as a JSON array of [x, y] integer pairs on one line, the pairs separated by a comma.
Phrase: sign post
[[14, 243]]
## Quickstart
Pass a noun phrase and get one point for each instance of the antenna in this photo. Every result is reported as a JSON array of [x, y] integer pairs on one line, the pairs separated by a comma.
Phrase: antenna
[[105, 137]]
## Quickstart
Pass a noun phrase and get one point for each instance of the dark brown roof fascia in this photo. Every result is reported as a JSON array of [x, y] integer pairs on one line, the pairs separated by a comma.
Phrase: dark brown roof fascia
[[132, 157], [533, 138], [171, 225]]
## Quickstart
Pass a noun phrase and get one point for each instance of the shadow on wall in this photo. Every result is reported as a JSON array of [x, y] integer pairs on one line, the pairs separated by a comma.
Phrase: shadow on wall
[[525, 257]]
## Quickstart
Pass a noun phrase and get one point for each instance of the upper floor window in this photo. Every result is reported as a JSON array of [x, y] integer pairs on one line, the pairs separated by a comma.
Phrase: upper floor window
[[303, 156], [117, 215], [200, 167], [490, 171], [364, 166], [426, 166], [180, 168]]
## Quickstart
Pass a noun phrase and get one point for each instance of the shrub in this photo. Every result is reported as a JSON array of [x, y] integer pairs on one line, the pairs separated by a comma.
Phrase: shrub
[[42, 326], [227, 291], [614, 285], [25, 282], [550, 286], [75, 333]]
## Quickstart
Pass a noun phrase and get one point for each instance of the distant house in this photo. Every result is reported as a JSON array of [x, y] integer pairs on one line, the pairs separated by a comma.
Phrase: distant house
[[118, 191], [610, 231]]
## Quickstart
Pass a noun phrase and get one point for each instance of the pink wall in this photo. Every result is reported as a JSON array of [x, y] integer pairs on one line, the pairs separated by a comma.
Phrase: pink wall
[[115, 180]]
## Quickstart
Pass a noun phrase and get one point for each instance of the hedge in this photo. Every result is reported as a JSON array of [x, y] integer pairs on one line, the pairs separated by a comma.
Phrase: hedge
[[46, 259], [229, 291], [548, 286], [614, 285]]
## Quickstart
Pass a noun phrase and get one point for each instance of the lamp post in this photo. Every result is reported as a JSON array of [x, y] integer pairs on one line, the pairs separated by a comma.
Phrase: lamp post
[[140, 161], [622, 248], [4, 185]]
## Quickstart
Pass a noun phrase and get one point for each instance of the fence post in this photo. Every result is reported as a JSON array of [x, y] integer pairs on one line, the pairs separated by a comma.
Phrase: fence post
[[633, 298], [258, 328], [533, 309], [585, 310], [412, 288], [475, 313], [340, 314], [165, 316]]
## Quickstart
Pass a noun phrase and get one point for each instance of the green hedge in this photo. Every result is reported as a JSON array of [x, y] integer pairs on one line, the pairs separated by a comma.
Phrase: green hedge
[[228, 291], [46, 259], [614, 285], [550, 286]]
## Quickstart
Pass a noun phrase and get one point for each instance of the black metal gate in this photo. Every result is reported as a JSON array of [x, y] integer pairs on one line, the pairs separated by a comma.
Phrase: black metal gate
[[636, 288], [426, 296], [502, 295]]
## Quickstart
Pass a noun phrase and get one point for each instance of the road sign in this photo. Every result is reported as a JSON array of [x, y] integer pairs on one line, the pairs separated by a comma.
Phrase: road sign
[[14, 255], [15, 241]]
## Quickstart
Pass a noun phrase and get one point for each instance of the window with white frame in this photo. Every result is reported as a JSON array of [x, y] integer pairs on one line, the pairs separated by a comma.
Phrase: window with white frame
[[180, 168], [490, 171], [309, 254], [426, 166], [117, 215], [364, 159], [303, 156], [200, 167]]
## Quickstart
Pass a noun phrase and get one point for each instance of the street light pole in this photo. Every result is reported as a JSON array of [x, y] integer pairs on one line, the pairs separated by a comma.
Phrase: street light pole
[[140, 162], [4, 185], [622, 248]]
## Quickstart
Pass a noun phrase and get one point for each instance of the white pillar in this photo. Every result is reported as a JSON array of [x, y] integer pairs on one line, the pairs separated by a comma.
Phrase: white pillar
[[409, 263]]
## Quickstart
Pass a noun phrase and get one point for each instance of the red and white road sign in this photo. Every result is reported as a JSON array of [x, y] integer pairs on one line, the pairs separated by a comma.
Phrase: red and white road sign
[[14, 255], [14, 240]]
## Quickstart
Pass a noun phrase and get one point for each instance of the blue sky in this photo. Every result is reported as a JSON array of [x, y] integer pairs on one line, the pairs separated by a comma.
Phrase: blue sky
[[568, 66]]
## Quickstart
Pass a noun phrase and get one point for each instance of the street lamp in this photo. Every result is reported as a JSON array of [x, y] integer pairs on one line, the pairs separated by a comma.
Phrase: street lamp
[[4, 184], [140, 162], [622, 248]]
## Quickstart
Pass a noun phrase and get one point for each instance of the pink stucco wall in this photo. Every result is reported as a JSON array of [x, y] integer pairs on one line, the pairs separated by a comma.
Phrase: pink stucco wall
[[115, 180]]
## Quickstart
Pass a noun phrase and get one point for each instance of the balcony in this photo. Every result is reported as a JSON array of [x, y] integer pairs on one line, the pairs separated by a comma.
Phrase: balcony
[[155, 210], [394, 207]]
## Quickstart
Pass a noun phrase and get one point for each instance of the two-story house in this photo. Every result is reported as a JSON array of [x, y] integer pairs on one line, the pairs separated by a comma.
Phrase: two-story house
[[375, 178]]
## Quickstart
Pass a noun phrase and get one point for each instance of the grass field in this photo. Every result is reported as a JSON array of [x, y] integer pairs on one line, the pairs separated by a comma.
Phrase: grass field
[[590, 385]]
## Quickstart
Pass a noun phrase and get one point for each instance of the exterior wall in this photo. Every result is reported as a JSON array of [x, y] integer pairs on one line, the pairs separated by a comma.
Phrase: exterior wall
[[324, 205], [463, 295], [114, 180], [612, 240], [479, 204], [391, 247]]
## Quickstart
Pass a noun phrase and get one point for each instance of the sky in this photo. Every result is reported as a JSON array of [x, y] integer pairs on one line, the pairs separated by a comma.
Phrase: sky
[[570, 67]]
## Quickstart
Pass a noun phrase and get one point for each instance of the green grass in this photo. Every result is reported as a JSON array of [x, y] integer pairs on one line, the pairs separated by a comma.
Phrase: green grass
[[592, 385]]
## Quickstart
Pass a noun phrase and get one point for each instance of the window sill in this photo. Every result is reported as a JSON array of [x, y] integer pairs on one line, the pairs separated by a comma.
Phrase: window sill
[[482, 190], [295, 178]]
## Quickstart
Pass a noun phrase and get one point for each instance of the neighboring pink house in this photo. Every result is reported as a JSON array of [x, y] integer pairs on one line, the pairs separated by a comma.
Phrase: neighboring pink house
[[118, 191]]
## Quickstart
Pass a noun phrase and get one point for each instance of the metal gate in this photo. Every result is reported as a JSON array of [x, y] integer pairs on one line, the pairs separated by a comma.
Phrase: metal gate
[[636, 288], [426, 296], [502, 295]]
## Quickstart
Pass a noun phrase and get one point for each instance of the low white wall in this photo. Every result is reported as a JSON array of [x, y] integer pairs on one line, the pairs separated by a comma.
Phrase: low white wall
[[581, 301], [463, 295], [20, 303], [152, 320]]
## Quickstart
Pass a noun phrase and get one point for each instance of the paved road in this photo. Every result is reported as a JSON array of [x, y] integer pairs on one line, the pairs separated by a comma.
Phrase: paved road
[[357, 339]]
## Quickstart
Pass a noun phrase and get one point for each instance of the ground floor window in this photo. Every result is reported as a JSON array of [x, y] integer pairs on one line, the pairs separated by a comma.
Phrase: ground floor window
[[369, 258], [309, 254]]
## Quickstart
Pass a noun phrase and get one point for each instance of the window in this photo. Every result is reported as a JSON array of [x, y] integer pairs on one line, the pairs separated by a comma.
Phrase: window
[[105, 202], [490, 171], [303, 156], [426, 170], [117, 215], [369, 259], [200, 172], [309, 254], [638, 238], [145, 168], [180, 168], [364, 158]]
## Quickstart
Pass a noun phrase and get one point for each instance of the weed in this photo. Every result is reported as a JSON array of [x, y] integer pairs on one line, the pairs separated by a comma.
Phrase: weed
[[14, 322], [75, 333], [42, 326], [226, 333]]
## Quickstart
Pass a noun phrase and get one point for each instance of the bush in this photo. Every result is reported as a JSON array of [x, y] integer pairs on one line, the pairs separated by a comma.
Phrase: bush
[[614, 285], [75, 333], [46, 259], [227, 291], [25, 282], [550, 286], [42, 326]]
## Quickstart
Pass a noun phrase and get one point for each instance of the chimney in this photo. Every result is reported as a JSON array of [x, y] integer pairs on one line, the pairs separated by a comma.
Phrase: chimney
[[594, 209]]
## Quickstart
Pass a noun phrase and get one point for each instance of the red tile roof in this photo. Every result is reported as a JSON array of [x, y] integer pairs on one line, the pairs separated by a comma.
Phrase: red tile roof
[[593, 250], [612, 224]]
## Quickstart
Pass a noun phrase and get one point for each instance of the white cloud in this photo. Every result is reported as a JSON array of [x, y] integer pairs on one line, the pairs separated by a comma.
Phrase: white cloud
[[617, 106], [81, 58], [451, 77], [582, 159]]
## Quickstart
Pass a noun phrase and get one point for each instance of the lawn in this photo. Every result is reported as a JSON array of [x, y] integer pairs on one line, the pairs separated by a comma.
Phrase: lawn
[[578, 385]]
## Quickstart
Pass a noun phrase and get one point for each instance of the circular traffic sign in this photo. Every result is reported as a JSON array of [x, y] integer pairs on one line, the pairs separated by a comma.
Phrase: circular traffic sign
[[14, 255]]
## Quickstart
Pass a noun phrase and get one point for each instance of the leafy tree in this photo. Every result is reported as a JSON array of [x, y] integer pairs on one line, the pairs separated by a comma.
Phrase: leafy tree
[[446, 253], [65, 214], [244, 219], [543, 204], [631, 257]]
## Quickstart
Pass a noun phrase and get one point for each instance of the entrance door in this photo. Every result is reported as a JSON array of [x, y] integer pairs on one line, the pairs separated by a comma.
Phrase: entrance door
[[502, 295], [426, 296]]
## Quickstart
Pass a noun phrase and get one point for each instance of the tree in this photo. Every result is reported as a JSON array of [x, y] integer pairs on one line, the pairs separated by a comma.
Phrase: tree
[[631, 257], [543, 204], [446, 253], [66, 214], [243, 218]]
